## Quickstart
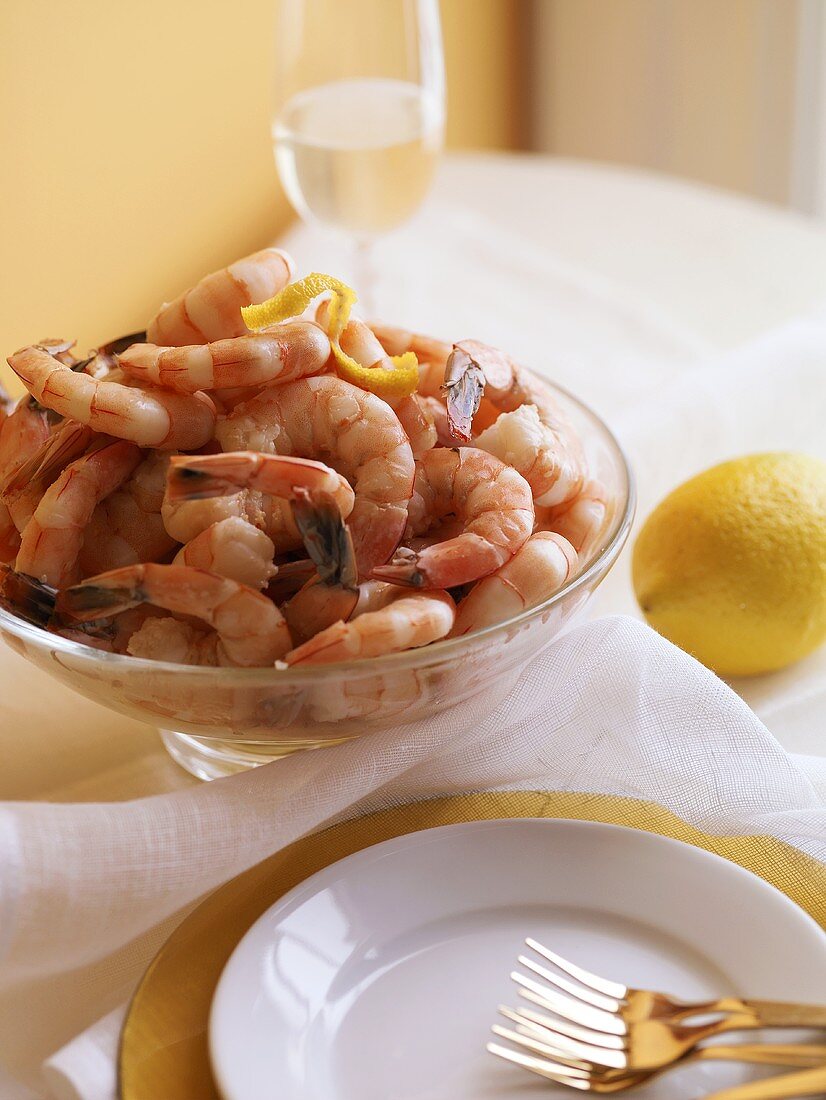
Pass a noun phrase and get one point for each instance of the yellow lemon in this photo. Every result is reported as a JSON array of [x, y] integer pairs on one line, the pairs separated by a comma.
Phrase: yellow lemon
[[731, 566]]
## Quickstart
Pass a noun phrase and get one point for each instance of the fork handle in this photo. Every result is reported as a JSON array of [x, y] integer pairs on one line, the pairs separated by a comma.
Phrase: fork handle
[[769, 1014], [811, 1082], [802, 1055]]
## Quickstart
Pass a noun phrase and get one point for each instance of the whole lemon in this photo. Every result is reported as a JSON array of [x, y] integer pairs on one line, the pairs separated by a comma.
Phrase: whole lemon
[[731, 566]]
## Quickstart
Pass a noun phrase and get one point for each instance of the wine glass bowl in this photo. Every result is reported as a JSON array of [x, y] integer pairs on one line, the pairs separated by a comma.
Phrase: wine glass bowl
[[358, 115], [216, 721], [358, 155]]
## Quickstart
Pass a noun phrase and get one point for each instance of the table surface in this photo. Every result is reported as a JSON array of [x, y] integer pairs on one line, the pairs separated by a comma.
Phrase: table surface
[[705, 269]]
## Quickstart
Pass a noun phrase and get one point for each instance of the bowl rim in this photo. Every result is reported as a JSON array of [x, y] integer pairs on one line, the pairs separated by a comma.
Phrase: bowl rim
[[434, 653]]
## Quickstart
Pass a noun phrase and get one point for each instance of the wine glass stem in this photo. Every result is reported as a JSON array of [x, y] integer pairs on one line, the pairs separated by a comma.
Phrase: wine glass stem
[[365, 277]]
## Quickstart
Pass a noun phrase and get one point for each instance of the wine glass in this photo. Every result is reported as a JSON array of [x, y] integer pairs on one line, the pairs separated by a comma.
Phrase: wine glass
[[358, 118]]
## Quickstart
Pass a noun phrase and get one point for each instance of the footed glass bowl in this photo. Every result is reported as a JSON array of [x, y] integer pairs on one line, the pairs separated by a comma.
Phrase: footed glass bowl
[[216, 721]]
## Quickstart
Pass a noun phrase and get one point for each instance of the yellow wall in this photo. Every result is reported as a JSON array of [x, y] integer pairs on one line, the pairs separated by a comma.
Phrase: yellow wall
[[136, 154]]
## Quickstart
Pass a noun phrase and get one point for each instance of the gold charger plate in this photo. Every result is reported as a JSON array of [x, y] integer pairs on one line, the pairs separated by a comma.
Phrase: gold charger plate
[[164, 1041]]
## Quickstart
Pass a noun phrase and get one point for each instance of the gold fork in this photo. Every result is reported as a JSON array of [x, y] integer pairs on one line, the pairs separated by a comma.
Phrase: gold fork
[[810, 1083], [596, 1031], [579, 1075]]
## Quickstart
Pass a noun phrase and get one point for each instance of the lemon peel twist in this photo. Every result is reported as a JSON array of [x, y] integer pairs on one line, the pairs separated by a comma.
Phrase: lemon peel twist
[[394, 382]]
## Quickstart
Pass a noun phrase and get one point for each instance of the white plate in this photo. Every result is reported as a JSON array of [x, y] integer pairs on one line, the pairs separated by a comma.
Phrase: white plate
[[379, 977]]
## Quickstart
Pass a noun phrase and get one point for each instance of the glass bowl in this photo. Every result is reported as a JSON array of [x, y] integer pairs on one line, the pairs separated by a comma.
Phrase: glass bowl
[[217, 721]]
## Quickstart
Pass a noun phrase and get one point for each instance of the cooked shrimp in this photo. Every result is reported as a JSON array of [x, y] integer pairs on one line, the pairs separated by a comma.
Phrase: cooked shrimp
[[283, 354], [251, 630], [317, 606], [432, 354], [541, 567], [328, 419], [436, 410], [193, 477], [7, 404], [127, 526], [581, 520], [333, 593], [185, 519], [9, 536], [22, 433], [549, 460], [68, 441], [494, 504], [374, 595], [111, 634], [416, 416], [476, 369], [232, 548], [503, 382], [412, 620], [271, 486], [54, 535], [168, 639], [26, 597], [170, 421], [26, 484], [360, 342], [211, 310]]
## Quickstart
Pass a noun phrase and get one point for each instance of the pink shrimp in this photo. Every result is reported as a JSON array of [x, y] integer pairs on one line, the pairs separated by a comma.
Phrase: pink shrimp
[[546, 453], [9, 536], [354, 431], [160, 418], [431, 353], [541, 567], [211, 310], [251, 630], [193, 477], [530, 433], [280, 355], [22, 433], [581, 520], [165, 638], [127, 527], [360, 342], [232, 548], [409, 621], [54, 535], [27, 483], [492, 501]]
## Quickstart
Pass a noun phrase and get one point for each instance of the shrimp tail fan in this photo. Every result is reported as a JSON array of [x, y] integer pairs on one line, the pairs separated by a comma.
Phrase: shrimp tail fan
[[26, 597]]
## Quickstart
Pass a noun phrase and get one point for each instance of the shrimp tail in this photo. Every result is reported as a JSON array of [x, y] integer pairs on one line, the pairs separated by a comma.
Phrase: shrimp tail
[[464, 386], [27, 597], [58, 451], [403, 569], [326, 538], [291, 577], [83, 602], [185, 482]]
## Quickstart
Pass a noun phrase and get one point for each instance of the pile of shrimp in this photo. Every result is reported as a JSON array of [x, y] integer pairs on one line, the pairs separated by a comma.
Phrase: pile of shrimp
[[202, 494]]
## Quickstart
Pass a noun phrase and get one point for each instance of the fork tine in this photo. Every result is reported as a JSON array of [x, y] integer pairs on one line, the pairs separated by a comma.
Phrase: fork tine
[[577, 1068], [557, 1046], [582, 993], [569, 1009], [570, 1052], [594, 981], [561, 1027], [542, 1066], [536, 1031]]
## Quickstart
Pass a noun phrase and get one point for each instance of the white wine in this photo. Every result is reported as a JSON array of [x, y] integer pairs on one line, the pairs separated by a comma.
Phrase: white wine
[[358, 154]]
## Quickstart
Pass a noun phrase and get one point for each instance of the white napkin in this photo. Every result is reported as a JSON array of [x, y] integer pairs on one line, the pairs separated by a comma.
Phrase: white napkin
[[609, 691], [88, 892]]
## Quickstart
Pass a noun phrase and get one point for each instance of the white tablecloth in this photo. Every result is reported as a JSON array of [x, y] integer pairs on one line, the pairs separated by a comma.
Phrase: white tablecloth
[[630, 291]]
